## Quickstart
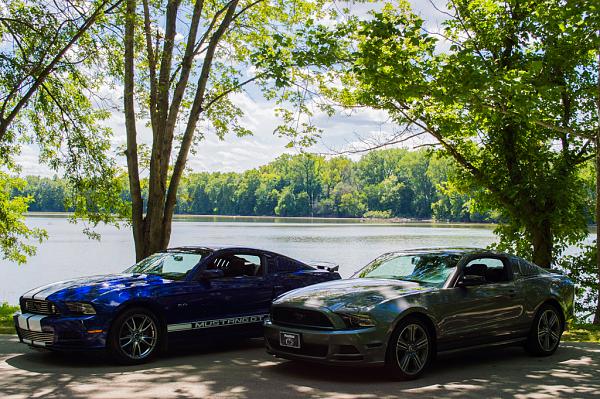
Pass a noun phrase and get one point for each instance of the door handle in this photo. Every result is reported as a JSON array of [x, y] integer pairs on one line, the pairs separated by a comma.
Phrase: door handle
[[512, 293]]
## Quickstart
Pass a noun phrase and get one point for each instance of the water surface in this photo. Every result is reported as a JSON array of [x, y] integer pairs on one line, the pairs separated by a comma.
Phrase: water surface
[[351, 244]]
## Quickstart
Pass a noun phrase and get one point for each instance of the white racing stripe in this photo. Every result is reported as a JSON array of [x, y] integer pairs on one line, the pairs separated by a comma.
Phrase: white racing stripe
[[35, 322], [43, 293], [22, 320], [31, 322]]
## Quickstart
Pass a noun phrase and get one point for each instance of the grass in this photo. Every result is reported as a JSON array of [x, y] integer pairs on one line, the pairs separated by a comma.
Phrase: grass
[[582, 333], [6, 321]]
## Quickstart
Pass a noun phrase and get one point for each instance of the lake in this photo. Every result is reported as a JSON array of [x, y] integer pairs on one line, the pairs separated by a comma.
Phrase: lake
[[68, 253]]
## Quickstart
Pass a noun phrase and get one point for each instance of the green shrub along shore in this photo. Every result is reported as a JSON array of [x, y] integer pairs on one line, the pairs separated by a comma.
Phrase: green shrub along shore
[[6, 322], [576, 332]]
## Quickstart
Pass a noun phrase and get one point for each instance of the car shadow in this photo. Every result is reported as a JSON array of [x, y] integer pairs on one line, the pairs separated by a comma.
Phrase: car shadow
[[94, 363], [243, 370]]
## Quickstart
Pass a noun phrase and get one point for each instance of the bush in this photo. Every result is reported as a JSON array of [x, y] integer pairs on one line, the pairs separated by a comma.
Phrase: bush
[[378, 214], [583, 271], [6, 322]]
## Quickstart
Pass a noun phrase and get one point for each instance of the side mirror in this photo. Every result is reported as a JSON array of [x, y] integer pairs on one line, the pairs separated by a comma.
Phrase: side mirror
[[469, 280], [209, 274]]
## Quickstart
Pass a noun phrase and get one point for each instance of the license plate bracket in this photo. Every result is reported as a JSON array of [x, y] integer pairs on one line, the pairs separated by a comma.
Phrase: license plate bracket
[[289, 339]]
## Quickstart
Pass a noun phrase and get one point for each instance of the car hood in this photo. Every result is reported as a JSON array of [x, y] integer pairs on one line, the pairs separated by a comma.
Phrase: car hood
[[90, 288], [351, 294]]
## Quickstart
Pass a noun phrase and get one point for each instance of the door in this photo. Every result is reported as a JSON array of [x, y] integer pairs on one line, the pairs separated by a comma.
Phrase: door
[[235, 303], [483, 313]]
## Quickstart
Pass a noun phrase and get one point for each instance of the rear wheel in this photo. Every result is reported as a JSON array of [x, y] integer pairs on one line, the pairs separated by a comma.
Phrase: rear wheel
[[134, 336], [546, 331], [410, 349]]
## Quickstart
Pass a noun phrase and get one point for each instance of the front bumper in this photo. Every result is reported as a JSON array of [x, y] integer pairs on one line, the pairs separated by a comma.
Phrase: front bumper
[[364, 347], [57, 332]]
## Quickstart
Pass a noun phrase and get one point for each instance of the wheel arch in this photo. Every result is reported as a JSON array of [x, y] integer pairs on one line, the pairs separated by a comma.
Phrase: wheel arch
[[422, 315], [556, 304], [150, 306]]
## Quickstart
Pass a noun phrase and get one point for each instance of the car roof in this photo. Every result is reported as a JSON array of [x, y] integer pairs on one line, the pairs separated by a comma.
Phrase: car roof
[[213, 248], [448, 250]]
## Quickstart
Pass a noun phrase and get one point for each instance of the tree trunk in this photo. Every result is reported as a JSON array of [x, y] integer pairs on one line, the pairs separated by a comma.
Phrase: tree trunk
[[597, 315], [542, 244], [153, 231], [137, 205]]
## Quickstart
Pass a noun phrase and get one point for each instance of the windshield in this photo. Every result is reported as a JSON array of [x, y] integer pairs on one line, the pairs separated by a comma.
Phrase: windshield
[[171, 265], [429, 269]]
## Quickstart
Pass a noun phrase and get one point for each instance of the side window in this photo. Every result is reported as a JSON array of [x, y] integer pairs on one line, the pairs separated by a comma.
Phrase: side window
[[179, 263], [238, 264], [492, 269], [287, 265]]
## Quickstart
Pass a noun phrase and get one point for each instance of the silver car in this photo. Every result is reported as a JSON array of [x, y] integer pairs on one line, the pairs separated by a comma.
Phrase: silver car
[[403, 308]]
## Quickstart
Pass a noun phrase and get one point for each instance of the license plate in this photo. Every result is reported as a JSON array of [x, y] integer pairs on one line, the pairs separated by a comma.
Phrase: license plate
[[290, 340]]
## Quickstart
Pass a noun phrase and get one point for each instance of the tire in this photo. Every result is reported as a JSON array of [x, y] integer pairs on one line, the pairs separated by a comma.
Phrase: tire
[[135, 337], [410, 350], [546, 330]]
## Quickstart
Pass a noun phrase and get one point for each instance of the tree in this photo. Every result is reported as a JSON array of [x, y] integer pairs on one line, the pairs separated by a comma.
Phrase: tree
[[225, 46], [39, 40], [12, 226], [51, 63], [509, 100]]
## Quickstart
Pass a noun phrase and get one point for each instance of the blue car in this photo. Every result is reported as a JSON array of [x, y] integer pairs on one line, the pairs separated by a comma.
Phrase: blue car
[[182, 294]]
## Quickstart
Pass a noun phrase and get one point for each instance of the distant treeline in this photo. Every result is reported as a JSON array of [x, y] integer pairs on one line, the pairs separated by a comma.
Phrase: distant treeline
[[386, 183]]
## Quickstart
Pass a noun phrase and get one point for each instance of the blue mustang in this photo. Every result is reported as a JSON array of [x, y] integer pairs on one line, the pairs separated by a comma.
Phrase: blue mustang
[[181, 294]]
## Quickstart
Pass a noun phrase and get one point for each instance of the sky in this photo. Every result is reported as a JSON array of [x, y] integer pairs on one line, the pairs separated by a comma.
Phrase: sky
[[236, 154]]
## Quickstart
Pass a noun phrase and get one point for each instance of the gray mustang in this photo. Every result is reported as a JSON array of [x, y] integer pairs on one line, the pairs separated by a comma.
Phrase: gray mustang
[[405, 307]]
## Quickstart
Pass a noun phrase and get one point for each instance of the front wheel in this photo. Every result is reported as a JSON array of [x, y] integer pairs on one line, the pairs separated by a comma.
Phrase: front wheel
[[546, 331], [134, 336], [410, 349]]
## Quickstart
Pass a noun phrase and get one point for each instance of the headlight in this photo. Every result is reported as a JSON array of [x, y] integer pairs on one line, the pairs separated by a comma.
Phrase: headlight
[[357, 320], [80, 307]]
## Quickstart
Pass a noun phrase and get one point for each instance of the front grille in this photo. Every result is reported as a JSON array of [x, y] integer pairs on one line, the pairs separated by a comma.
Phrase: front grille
[[38, 307], [312, 350], [45, 337], [300, 318]]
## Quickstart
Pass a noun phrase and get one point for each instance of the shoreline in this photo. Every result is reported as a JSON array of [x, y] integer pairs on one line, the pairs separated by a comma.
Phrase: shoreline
[[293, 219]]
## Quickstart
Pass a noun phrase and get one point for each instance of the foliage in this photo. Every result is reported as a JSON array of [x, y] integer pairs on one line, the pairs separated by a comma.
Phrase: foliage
[[14, 233], [506, 88], [582, 333], [183, 62], [378, 214], [51, 73], [7, 325], [303, 185], [583, 270]]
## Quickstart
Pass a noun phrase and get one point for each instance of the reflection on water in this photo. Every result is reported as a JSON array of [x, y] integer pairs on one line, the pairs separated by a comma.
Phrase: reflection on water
[[349, 243]]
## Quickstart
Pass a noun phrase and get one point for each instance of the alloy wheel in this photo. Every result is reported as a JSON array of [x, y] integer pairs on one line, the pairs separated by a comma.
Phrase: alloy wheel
[[548, 331], [138, 336], [412, 349]]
